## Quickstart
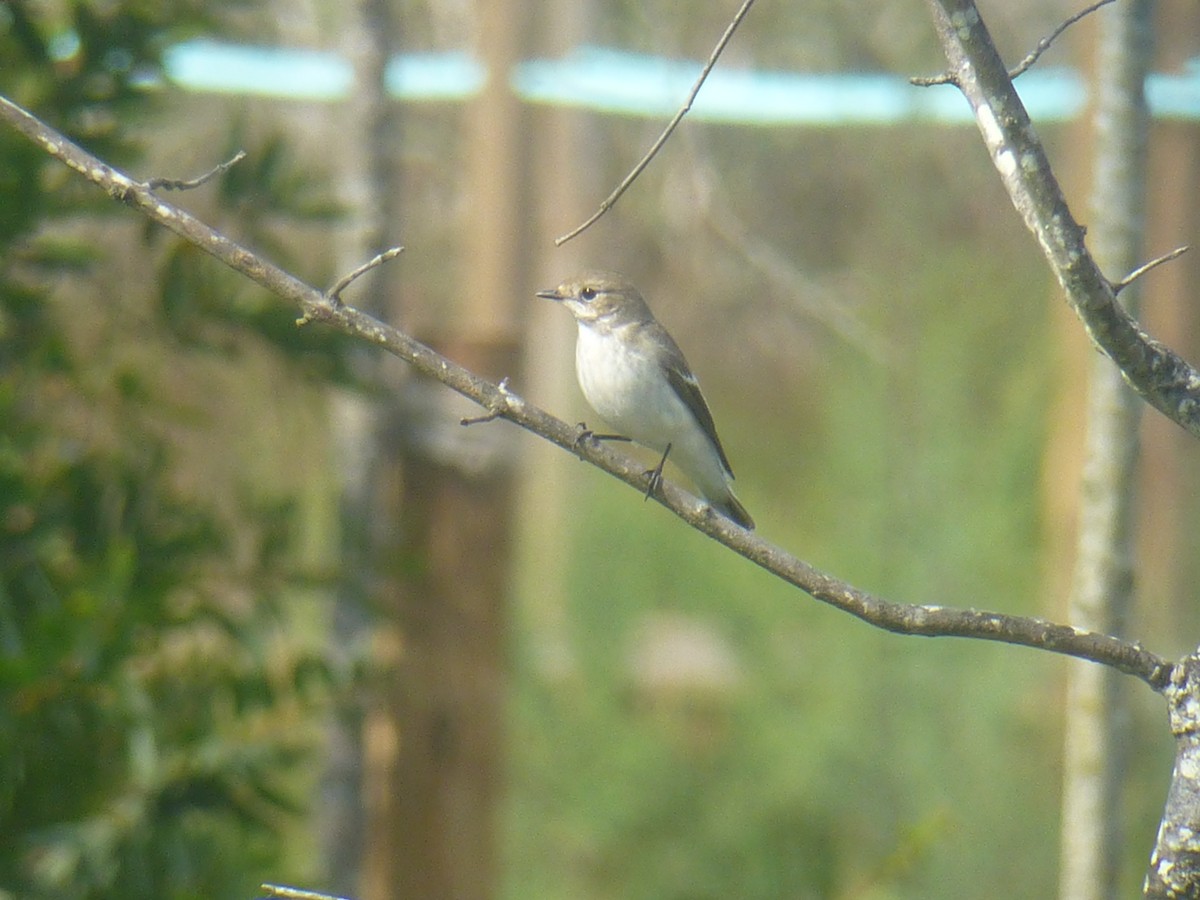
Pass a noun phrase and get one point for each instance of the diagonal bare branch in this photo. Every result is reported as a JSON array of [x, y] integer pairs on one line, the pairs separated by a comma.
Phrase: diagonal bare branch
[[1156, 373], [1044, 44], [612, 198], [500, 402]]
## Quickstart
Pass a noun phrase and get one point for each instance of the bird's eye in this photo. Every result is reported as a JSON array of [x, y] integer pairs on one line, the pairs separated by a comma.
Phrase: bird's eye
[[588, 293]]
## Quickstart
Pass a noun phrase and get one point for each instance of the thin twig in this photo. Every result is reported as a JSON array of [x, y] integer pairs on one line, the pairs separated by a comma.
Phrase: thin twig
[[291, 893], [479, 420], [496, 411], [335, 292], [931, 80], [662, 138], [1024, 65], [807, 296], [1137, 273], [1044, 44], [186, 184]]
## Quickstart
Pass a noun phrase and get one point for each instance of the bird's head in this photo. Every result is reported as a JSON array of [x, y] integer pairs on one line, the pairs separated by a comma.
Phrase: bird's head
[[600, 297]]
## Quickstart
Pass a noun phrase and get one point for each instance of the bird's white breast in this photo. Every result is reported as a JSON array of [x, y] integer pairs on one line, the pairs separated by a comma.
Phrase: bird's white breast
[[625, 384]]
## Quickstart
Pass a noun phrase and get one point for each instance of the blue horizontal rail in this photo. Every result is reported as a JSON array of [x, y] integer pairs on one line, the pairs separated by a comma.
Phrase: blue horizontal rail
[[622, 83]]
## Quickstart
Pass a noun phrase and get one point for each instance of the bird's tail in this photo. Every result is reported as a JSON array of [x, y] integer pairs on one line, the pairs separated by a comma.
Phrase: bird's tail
[[732, 507]]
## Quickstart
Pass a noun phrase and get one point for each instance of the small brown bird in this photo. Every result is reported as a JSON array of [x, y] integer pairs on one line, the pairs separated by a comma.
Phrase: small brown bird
[[635, 376]]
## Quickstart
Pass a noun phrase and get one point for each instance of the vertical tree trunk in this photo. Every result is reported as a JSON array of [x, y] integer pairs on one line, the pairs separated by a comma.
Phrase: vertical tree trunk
[[1170, 477], [437, 752], [1174, 869], [369, 190], [1103, 585], [565, 184]]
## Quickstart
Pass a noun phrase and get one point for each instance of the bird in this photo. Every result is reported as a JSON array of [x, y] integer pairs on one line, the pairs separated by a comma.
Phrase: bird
[[636, 378]]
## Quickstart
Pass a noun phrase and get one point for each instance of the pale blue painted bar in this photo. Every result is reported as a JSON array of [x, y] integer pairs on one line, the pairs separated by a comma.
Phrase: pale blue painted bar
[[210, 66], [623, 83], [631, 84], [213, 67], [1176, 96], [434, 76]]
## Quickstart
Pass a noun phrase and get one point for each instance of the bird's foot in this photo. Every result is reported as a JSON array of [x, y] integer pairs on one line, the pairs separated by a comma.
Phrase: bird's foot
[[582, 435], [654, 477], [586, 435]]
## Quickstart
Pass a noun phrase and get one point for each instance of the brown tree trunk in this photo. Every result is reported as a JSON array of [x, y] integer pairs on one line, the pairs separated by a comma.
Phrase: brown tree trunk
[[436, 748]]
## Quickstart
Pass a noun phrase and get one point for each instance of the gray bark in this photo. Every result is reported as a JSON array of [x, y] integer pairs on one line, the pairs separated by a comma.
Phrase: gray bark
[[1104, 571], [1175, 864]]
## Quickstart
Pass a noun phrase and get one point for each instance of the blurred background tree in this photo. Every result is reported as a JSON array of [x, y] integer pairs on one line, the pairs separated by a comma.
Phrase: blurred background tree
[[161, 676]]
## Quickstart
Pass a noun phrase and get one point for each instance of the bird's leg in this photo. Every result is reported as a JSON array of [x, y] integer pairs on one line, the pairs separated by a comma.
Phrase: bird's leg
[[655, 476], [586, 434]]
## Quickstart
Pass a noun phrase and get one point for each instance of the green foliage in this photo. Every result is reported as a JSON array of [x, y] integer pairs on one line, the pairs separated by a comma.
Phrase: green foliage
[[84, 66], [208, 307], [155, 702], [146, 699]]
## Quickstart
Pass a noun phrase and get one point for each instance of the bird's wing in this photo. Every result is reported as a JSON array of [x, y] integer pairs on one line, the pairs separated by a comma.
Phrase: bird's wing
[[680, 377]]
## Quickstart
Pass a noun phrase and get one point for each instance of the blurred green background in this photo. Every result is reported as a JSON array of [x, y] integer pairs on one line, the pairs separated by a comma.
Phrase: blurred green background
[[890, 367]]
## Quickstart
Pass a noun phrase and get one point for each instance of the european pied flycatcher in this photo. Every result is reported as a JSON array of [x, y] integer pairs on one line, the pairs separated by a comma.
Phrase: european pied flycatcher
[[635, 376]]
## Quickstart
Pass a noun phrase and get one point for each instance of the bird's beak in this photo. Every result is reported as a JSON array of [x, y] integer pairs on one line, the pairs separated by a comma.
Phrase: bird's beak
[[551, 294]]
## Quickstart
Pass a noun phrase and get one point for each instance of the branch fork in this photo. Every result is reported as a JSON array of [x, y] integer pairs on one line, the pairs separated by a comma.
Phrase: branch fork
[[1025, 64], [334, 294], [187, 184], [500, 406], [1157, 374]]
